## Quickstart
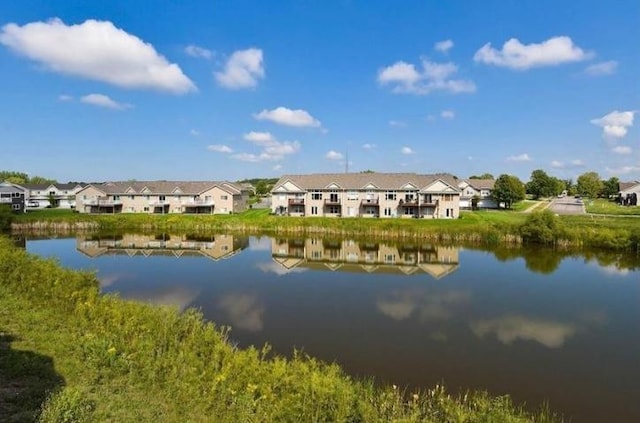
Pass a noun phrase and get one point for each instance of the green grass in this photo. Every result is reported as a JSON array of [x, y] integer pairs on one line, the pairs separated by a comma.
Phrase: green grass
[[485, 227], [521, 206], [603, 206], [102, 359]]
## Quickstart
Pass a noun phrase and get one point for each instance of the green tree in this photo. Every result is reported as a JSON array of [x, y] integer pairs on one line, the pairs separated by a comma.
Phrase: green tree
[[611, 187], [14, 177], [483, 176], [5, 217], [589, 184], [41, 180], [262, 188], [540, 184], [508, 189]]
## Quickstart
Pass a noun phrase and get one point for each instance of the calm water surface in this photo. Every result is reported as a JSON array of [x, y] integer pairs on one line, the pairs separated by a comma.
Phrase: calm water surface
[[534, 324]]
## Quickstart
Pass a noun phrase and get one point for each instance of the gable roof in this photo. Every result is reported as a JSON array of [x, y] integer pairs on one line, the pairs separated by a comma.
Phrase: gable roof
[[356, 181], [623, 186], [481, 183], [165, 187]]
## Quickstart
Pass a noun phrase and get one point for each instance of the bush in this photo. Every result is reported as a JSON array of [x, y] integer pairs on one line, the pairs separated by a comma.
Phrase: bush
[[540, 228]]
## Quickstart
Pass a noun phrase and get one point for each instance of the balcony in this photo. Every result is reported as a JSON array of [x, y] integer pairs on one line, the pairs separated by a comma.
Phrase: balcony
[[198, 202], [432, 203], [296, 201], [370, 202], [409, 203], [332, 201], [159, 203], [6, 200], [102, 202]]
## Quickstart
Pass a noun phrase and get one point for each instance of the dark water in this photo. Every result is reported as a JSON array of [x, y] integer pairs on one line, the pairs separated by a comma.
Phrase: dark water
[[536, 324]]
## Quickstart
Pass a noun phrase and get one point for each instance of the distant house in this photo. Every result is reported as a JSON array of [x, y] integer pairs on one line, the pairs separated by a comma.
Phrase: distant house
[[628, 193], [163, 197], [52, 195], [383, 195], [13, 195], [481, 189]]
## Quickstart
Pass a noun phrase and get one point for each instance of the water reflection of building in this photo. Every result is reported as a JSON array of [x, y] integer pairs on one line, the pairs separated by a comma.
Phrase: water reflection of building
[[215, 247], [361, 256]]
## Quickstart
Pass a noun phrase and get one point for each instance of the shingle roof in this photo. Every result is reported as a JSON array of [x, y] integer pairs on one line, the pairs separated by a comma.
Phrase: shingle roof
[[34, 187], [356, 181], [623, 186], [481, 183], [165, 187]]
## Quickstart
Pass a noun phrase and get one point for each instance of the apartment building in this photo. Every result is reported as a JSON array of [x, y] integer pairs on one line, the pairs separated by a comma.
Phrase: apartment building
[[52, 195], [13, 196], [384, 195], [481, 189], [163, 197]]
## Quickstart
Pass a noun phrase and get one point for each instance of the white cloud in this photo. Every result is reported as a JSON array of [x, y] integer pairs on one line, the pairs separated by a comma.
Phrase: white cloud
[[515, 55], [368, 146], [519, 158], [277, 268], [272, 149], [407, 150], [243, 69], [443, 46], [194, 132], [509, 329], [623, 170], [602, 68], [277, 167], [397, 124], [96, 50], [622, 149], [260, 138], [102, 100], [333, 155], [404, 78], [195, 51], [220, 148], [65, 97], [615, 124], [448, 114], [284, 116], [576, 163]]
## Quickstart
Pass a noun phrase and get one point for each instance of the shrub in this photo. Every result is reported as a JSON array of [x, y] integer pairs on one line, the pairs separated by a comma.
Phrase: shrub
[[540, 228]]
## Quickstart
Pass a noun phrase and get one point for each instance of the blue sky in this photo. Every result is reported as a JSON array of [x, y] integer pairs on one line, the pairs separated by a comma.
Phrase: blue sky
[[204, 89]]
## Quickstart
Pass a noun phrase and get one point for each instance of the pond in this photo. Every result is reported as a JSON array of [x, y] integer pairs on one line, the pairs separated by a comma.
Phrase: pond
[[539, 325]]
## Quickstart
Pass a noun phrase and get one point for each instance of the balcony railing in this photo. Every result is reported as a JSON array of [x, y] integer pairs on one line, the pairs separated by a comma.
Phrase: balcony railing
[[198, 202], [6, 200], [296, 201], [103, 202], [332, 201], [370, 202], [158, 203]]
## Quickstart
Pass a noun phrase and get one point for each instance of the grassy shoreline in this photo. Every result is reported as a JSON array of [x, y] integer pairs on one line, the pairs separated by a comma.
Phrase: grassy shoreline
[[617, 233], [100, 358]]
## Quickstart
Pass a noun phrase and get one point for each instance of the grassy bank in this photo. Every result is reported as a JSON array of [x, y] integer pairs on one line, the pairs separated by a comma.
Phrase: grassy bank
[[604, 206], [68, 354], [479, 227]]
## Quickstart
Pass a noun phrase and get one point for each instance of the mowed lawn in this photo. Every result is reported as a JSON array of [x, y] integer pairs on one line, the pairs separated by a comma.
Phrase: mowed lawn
[[603, 206]]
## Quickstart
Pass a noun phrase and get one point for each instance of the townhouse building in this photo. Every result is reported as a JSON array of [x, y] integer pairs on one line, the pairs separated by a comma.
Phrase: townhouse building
[[52, 195], [628, 193], [13, 196], [384, 195], [163, 197], [480, 189]]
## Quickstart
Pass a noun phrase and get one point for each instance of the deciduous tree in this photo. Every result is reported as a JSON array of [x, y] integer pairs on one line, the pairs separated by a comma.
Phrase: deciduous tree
[[508, 189]]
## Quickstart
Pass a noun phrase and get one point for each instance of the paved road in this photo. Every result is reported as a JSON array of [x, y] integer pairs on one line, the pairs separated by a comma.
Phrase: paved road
[[567, 205]]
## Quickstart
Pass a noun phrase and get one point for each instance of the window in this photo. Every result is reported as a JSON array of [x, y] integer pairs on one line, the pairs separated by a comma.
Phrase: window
[[317, 255], [387, 211], [16, 206], [447, 197], [16, 195], [352, 195], [224, 197], [52, 193], [409, 211], [314, 210], [146, 208], [161, 198], [389, 258], [408, 197], [390, 195], [334, 209], [116, 197], [132, 197], [316, 195]]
